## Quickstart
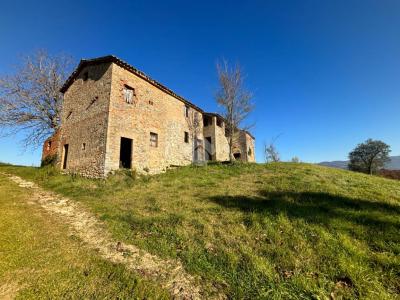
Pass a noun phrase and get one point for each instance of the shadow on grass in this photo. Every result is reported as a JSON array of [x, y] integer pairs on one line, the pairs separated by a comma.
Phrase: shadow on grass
[[377, 218]]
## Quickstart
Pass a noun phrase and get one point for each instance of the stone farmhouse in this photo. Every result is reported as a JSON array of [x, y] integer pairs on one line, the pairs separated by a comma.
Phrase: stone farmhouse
[[115, 116]]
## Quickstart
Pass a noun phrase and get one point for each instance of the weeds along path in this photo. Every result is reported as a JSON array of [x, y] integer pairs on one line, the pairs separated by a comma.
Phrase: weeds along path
[[168, 273]]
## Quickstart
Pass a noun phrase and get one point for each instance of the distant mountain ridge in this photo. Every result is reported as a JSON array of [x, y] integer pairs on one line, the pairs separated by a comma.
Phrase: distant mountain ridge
[[394, 163]]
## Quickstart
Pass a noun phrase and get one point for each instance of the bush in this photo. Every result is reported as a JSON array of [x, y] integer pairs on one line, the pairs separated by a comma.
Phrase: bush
[[391, 174], [122, 176], [50, 160]]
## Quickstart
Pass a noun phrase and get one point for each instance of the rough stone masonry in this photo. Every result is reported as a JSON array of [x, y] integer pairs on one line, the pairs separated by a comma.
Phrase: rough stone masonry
[[114, 116]]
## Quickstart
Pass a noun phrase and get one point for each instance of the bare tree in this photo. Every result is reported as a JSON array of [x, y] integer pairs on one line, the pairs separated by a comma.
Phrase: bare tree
[[234, 99], [270, 151], [30, 99]]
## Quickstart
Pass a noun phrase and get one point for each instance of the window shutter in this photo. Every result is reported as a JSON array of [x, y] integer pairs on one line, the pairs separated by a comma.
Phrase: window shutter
[[129, 93]]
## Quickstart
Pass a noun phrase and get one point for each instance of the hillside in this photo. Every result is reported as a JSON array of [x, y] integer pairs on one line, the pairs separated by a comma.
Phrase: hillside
[[41, 259], [276, 231], [393, 164]]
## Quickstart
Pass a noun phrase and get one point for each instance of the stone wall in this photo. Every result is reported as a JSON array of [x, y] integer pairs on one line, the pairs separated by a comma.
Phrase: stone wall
[[84, 121], [243, 144], [251, 154], [209, 131], [220, 145], [96, 116], [152, 110]]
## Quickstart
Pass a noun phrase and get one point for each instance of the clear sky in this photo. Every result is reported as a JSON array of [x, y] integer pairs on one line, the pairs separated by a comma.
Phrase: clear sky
[[325, 74]]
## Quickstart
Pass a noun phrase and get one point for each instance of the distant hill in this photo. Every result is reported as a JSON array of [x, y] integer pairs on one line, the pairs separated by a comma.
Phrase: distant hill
[[394, 163], [339, 164]]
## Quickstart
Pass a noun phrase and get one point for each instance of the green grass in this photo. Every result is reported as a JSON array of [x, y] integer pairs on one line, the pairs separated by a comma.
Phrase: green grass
[[39, 259], [276, 231]]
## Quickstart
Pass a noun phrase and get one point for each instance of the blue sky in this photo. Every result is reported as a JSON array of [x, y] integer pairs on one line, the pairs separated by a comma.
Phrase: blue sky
[[324, 74]]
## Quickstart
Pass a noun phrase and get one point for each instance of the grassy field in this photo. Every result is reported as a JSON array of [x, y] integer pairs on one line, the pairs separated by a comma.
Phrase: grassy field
[[40, 260], [276, 231]]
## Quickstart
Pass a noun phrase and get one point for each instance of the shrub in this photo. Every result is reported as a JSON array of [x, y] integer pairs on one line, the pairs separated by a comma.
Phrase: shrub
[[391, 174], [49, 160]]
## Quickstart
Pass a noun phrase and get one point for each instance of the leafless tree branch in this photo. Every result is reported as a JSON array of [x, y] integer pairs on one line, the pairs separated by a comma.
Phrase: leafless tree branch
[[233, 98], [30, 99], [271, 153]]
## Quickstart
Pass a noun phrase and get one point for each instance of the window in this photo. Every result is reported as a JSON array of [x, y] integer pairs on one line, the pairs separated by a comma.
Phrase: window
[[85, 76], [153, 139], [219, 122], [186, 137], [65, 156], [151, 102], [186, 111], [84, 146], [48, 145], [206, 121], [92, 101], [129, 94], [69, 114], [249, 152]]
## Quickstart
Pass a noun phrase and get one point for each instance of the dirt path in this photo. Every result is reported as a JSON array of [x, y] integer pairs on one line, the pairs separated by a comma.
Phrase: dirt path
[[168, 273], [8, 291]]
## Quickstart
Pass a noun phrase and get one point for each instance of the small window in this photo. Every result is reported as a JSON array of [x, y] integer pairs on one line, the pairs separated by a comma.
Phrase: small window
[[85, 76], [129, 94], [69, 114], [153, 139], [65, 156], [92, 101], [83, 146], [249, 152], [186, 137], [219, 122], [151, 102], [186, 111], [48, 145]]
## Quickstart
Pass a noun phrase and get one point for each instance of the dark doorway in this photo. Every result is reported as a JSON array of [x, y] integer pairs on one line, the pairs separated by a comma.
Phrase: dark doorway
[[125, 153], [65, 159], [237, 155], [208, 147]]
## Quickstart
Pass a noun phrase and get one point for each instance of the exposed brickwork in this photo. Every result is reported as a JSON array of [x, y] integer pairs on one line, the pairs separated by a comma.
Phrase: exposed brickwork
[[96, 116], [165, 117], [51, 145]]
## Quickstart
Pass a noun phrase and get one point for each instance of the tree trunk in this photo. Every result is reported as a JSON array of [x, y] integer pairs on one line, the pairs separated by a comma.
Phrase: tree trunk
[[230, 150], [231, 144]]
